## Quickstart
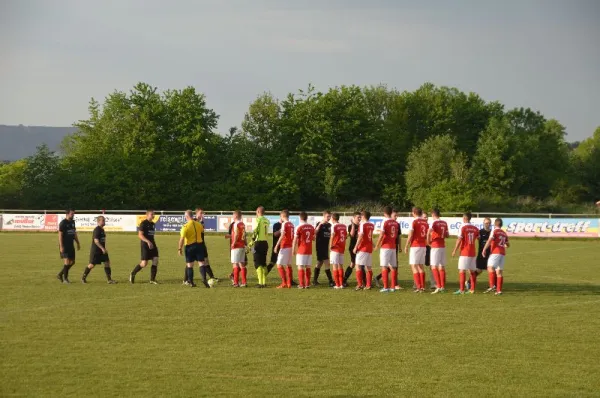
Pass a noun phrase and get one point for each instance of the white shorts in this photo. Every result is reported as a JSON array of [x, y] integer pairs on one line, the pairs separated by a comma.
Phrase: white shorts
[[417, 255], [438, 256], [237, 255], [387, 258], [496, 261], [284, 257], [336, 258], [467, 263], [304, 260], [364, 258]]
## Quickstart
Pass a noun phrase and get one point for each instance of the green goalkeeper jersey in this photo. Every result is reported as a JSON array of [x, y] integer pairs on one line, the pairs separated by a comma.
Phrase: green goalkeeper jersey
[[262, 229]]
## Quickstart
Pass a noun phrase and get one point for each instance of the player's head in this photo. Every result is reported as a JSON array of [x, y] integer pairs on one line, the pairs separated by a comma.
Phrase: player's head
[[335, 217], [260, 211], [394, 214], [356, 217], [435, 213], [387, 211], [365, 215], [498, 223], [199, 213], [285, 214], [425, 216], [101, 221], [303, 216], [149, 214], [487, 222], [69, 214], [326, 215], [237, 214], [189, 215], [467, 216], [417, 212]]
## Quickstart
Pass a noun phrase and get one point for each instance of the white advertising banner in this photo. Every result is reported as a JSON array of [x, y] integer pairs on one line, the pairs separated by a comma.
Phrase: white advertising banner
[[29, 222], [114, 222]]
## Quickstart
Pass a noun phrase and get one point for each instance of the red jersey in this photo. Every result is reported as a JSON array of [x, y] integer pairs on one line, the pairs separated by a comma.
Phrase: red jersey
[[419, 236], [469, 233], [339, 234], [439, 233], [239, 229], [287, 229], [305, 235], [390, 234], [366, 230], [499, 239]]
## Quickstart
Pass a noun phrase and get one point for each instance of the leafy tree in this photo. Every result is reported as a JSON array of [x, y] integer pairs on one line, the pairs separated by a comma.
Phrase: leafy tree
[[11, 184]]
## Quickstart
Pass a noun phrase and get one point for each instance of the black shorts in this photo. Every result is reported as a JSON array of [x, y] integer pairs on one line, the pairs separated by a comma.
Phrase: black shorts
[[322, 252], [149, 254], [273, 257], [98, 258], [204, 249], [352, 256], [481, 263], [428, 256], [261, 248], [194, 252], [68, 253]]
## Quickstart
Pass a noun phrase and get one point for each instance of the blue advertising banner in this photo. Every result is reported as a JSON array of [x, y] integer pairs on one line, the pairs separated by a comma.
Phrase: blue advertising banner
[[210, 223], [170, 223]]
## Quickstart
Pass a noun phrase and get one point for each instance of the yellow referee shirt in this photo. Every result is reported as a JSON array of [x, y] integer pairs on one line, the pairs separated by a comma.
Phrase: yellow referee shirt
[[192, 232]]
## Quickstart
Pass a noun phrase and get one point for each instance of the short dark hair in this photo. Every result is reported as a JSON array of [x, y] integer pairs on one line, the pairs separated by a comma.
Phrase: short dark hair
[[498, 222], [199, 209], [468, 215], [99, 218], [149, 211], [356, 213], [326, 212], [417, 210], [394, 210], [435, 212], [387, 210], [303, 216], [286, 212], [69, 210], [335, 216], [366, 215]]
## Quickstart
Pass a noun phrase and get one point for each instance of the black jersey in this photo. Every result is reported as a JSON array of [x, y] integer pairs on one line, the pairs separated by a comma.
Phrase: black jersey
[[323, 234], [101, 236], [148, 229], [484, 235], [67, 227], [353, 239], [276, 228]]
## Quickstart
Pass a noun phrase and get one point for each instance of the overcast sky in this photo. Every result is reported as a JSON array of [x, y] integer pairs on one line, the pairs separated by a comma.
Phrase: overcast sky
[[57, 54]]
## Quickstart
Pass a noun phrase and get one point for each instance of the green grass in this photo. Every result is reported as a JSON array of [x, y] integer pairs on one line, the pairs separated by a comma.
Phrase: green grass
[[539, 339]]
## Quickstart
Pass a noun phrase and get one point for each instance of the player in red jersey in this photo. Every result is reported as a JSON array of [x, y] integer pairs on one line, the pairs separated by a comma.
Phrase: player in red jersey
[[417, 241], [387, 250], [303, 240], [467, 261], [436, 238], [238, 250], [337, 246], [498, 242], [364, 251], [284, 250]]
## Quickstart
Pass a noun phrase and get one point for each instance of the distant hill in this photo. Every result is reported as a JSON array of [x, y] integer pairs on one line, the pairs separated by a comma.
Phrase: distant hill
[[17, 142]]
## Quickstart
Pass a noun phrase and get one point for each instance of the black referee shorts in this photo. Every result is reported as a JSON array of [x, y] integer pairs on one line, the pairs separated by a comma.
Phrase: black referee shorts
[[261, 248], [194, 252], [428, 256]]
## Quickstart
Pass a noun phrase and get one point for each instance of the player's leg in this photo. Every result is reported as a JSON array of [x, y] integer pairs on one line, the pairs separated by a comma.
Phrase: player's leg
[[301, 274], [307, 272], [462, 274], [360, 275], [472, 274], [499, 281], [145, 256], [243, 274], [108, 272], [281, 264], [349, 269], [87, 270], [69, 263], [154, 271]]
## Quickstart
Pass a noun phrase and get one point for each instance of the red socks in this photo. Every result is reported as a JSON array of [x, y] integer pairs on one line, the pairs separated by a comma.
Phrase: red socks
[[384, 276], [281, 274], [417, 280], [244, 272], [394, 281], [492, 279], [290, 274], [307, 276], [236, 275], [301, 277], [500, 279], [473, 280], [369, 277], [359, 276], [443, 278], [436, 277], [339, 280], [422, 279], [462, 278]]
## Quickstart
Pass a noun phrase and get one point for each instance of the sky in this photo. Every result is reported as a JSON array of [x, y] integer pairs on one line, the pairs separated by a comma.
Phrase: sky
[[56, 55]]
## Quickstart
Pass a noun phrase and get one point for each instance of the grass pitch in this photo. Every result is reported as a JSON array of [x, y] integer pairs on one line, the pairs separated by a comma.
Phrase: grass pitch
[[539, 339]]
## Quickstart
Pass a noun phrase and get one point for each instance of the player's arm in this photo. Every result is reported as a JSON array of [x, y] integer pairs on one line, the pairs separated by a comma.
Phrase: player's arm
[[60, 241], [486, 246], [380, 240], [331, 240], [77, 241], [429, 231], [295, 244], [457, 245], [358, 242], [281, 236], [353, 230], [181, 240], [234, 236], [98, 243], [408, 240], [144, 239]]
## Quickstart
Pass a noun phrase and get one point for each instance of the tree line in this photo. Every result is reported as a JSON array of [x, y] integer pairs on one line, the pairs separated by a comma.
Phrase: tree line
[[347, 147]]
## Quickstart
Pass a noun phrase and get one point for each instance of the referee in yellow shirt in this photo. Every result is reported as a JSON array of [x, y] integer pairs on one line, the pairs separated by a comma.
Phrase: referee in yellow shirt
[[191, 236]]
